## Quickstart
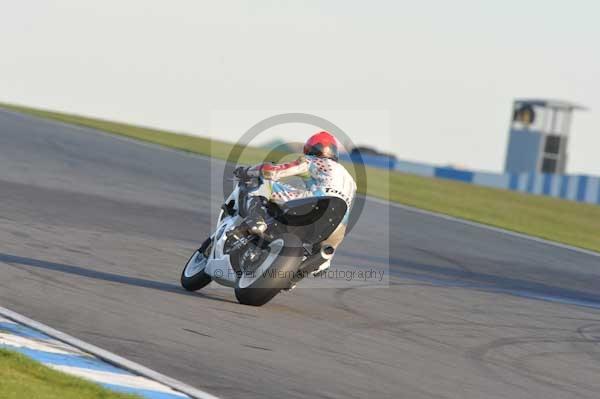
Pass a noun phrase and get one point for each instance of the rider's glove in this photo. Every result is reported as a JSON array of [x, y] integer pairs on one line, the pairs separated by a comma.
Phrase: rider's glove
[[246, 173]]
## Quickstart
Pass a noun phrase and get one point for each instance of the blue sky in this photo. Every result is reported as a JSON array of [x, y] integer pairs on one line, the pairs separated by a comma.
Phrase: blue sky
[[431, 81]]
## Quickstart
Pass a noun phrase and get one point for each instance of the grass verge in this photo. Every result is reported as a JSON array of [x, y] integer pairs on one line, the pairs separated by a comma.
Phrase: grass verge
[[554, 219], [23, 378]]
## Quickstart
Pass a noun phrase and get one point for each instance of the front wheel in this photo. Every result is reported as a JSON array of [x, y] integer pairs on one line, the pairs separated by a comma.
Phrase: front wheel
[[272, 272], [193, 276]]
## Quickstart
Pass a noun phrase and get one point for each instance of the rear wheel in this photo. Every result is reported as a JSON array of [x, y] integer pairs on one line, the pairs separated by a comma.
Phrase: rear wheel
[[193, 276], [266, 271]]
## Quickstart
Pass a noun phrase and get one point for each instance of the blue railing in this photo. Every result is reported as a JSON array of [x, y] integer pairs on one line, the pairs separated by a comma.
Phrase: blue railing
[[581, 188]]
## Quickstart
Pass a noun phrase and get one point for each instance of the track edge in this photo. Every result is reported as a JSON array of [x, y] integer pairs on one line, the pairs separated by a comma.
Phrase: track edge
[[107, 356]]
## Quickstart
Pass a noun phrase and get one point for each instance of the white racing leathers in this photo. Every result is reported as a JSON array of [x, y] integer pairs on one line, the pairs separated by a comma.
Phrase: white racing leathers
[[321, 177]]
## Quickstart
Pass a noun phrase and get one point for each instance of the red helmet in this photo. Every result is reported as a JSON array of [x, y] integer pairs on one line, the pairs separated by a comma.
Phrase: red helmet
[[322, 144]]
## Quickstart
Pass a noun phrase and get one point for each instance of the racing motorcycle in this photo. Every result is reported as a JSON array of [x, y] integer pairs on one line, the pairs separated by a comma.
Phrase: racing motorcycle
[[259, 267]]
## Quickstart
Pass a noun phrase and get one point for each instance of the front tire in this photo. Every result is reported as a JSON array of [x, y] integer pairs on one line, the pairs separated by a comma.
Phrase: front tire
[[193, 276], [274, 274]]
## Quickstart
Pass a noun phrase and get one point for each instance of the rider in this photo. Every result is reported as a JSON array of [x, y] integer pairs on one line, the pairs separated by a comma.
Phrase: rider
[[322, 176]]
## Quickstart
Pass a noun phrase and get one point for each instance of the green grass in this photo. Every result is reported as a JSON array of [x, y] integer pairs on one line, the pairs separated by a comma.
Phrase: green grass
[[554, 219], [23, 378]]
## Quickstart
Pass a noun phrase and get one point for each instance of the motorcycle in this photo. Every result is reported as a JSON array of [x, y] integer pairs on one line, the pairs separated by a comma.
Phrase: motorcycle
[[260, 267]]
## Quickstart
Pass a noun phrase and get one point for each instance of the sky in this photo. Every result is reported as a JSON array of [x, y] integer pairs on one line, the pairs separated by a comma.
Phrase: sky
[[430, 81]]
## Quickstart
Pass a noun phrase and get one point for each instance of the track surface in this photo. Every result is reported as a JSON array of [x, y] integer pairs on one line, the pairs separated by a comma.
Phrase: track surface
[[94, 231]]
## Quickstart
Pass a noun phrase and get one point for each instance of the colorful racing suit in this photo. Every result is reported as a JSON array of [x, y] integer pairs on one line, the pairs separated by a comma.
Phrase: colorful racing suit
[[321, 177]]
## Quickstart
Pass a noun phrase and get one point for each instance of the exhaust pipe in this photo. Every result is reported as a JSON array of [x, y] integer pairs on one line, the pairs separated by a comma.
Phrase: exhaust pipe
[[315, 260]]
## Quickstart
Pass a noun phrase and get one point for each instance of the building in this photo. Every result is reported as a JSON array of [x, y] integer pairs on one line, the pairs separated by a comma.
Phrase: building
[[539, 136]]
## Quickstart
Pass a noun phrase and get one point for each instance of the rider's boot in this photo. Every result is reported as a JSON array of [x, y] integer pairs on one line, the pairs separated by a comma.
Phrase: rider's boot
[[257, 214]]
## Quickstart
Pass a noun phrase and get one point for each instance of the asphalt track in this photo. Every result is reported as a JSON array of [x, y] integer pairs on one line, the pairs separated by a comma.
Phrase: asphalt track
[[94, 230]]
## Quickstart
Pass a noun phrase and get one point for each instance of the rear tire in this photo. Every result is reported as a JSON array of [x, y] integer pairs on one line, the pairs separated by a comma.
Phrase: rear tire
[[257, 290], [193, 276]]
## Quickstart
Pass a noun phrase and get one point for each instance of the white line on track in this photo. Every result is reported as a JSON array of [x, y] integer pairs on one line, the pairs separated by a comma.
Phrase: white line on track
[[485, 226]]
